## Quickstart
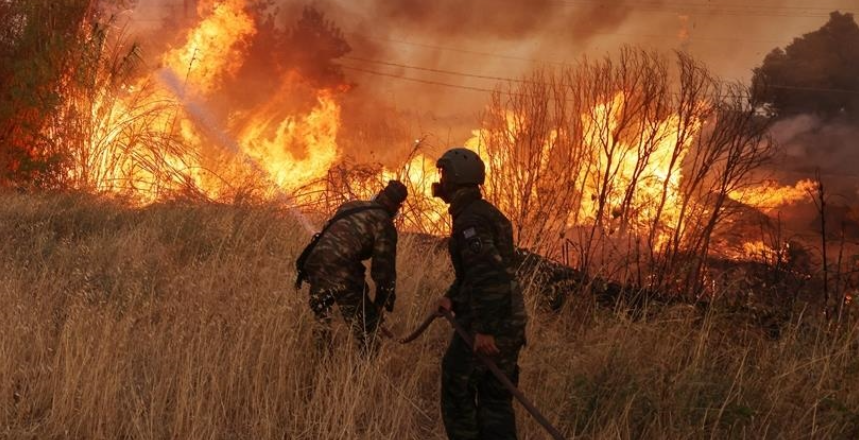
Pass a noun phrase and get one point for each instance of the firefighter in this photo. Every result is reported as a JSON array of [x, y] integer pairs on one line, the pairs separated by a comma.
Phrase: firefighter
[[358, 231], [486, 300]]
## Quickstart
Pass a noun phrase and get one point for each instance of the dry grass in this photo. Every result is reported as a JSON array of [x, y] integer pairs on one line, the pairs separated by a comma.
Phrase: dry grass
[[180, 322]]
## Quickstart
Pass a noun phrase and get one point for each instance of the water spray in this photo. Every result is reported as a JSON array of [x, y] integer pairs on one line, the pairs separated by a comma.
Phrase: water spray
[[205, 121]]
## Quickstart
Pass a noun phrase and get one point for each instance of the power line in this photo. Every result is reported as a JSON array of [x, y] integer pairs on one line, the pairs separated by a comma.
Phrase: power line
[[456, 86], [691, 38], [417, 80], [442, 71], [437, 83], [551, 62], [526, 81]]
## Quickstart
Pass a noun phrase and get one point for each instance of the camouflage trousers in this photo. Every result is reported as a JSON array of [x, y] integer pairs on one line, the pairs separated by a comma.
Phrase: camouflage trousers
[[357, 310], [474, 404]]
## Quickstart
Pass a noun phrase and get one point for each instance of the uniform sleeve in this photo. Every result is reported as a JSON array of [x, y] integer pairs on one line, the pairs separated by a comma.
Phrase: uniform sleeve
[[489, 282], [453, 289], [384, 265], [456, 262]]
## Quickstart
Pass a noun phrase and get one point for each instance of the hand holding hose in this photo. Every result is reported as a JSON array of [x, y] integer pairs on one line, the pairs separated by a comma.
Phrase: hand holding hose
[[443, 309], [485, 344], [444, 305]]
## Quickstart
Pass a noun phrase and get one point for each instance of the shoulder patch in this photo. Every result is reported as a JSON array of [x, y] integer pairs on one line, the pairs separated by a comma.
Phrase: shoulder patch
[[469, 233]]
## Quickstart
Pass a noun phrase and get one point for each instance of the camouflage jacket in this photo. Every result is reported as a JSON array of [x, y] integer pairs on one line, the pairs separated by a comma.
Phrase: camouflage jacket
[[336, 262], [486, 296]]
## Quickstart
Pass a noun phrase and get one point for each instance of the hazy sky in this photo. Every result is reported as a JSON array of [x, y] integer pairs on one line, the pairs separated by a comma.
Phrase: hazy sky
[[508, 38]]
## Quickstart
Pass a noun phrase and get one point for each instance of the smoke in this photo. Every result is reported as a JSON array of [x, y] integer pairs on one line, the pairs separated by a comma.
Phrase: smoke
[[207, 123], [509, 38], [413, 64], [811, 144], [506, 19]]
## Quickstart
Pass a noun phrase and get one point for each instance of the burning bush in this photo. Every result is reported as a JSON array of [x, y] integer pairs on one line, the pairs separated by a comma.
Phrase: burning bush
[[41, 46], [631, 167], [622, 166]]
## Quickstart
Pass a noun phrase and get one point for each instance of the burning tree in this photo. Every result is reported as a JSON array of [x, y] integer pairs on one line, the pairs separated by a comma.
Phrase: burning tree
[[39, 46], [95, 121], [77, 112], [615, 158], [625, 160]]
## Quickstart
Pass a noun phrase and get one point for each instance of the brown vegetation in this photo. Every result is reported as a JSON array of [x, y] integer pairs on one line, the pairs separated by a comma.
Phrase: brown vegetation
[[179, 321]]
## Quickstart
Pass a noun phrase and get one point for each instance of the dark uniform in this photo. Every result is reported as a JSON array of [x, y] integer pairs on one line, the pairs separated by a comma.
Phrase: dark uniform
[[336, 272], [486, 299]]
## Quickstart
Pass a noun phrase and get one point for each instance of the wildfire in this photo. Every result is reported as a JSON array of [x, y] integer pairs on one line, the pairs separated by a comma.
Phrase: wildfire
[[214, 47], [770, 196], [650, 175], [631, 178], [315, 134], [293, 149], [760, 251], [145, 143], [624, 173]]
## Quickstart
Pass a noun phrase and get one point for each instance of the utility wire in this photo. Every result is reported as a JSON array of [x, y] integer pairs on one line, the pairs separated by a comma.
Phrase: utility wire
[[525, 81], [445, 72], [675, 37], [417, 80], [455, 86]]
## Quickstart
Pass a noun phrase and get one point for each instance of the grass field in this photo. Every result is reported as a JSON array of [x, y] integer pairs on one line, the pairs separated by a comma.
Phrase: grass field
[[180, 321]]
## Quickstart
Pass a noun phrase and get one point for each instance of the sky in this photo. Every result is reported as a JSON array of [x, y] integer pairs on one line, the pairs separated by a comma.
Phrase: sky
[[405, 50], [508, 38], [433, 61]]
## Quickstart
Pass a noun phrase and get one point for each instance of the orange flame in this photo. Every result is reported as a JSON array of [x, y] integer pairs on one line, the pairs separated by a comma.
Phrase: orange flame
[[214, 48], [657, 175], [770, 196], [298, 148], [292, 148], [314, 133], [647, 177]]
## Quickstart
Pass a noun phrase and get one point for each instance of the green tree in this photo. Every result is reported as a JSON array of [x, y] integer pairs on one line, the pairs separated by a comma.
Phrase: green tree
[[37, 46], [817, 73], [54, 62]]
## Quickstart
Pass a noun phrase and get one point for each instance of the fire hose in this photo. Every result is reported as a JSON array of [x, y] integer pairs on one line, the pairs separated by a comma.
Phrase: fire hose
[[487, 362]]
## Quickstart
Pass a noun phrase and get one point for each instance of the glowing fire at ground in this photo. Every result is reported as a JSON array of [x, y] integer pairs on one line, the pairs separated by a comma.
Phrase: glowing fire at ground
[[619, 172], [770, 196], [296, 149]]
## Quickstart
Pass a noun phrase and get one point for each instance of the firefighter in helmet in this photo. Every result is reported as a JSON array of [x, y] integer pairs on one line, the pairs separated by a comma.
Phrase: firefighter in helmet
[[486, 300]]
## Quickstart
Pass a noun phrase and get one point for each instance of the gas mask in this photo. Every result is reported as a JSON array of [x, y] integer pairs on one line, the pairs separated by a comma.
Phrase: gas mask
[[442, 189]]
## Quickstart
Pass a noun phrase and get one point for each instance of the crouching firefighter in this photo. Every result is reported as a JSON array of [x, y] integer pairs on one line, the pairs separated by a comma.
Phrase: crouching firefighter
[[487, 302], [332, 264]]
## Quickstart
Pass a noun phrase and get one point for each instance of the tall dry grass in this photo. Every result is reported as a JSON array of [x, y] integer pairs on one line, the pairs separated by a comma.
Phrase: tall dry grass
[[179, 321]]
